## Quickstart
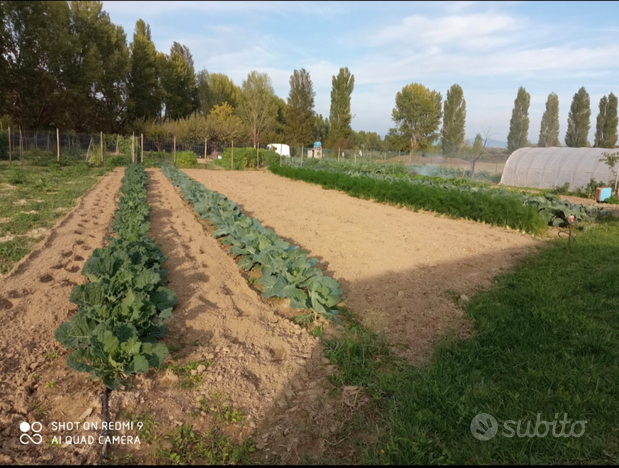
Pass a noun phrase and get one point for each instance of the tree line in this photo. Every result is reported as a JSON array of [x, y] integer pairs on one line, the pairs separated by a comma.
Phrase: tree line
[[578, 122], [66, 65]]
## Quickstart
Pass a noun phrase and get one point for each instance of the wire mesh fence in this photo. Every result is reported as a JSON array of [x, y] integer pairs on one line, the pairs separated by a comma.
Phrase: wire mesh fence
[[44, 147], [493, 162]]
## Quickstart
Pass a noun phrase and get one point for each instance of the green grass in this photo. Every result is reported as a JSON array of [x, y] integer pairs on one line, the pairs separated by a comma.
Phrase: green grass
[[49, 191], [498, 210], [546, 341]]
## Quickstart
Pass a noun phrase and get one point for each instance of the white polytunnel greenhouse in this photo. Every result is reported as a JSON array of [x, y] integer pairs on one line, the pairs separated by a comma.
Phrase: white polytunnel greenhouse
[[554, 167]]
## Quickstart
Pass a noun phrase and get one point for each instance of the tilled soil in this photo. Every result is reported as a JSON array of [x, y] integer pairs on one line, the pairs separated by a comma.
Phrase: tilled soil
[[35, 384], [400, 270]]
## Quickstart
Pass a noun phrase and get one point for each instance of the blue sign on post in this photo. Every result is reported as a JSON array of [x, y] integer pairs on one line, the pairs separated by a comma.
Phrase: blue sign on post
[[317, 144], [605, 193]]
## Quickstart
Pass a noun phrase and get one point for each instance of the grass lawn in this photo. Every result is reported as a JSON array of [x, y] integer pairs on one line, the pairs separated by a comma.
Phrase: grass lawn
[[33, 198], [546, 342]]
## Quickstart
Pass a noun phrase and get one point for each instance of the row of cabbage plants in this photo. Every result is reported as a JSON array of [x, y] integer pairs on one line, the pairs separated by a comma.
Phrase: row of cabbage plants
[[121, 310], [286, 270]]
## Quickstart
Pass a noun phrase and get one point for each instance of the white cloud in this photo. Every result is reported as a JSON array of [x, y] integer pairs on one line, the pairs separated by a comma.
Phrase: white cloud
[[462, 31]]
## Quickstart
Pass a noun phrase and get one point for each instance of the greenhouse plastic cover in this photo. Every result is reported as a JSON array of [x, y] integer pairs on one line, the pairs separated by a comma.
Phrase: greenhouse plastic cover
[[553, 167]]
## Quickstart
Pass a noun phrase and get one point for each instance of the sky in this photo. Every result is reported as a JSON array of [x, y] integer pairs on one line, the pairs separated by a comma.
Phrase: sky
[[489, 48]]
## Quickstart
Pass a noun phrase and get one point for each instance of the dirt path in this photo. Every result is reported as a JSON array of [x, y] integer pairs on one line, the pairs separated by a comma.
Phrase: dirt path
[[399, 269], [263, 365], [34, 300]]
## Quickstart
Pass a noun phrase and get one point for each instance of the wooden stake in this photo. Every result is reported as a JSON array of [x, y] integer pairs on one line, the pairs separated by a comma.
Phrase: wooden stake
[[10, 146], [57, 144], [257, 156], [302, 155], [205, 140], [101, 140], [142, 147]]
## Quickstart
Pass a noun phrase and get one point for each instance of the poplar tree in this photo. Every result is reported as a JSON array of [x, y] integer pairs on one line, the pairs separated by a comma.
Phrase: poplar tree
[[454, 119], [300, 110], [549, 131], [606, 124], [144, 95], [519, 123], [178, 82], [340, 116], [578, 120]]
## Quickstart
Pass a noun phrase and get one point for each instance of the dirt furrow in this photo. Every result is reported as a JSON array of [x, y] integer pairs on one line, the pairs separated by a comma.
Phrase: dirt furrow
[[34, 300]]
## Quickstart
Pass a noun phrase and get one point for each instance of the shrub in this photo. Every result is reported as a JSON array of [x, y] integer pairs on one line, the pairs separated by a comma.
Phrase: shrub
[[246, 157], [186, 159], [116, 161]]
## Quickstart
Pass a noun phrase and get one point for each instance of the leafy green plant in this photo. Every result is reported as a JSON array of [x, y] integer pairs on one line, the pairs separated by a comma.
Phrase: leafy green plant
[[121, 310]]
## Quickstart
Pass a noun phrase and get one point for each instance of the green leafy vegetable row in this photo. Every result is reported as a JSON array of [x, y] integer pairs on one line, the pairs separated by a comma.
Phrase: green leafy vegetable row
[[286, 270], [476, 205], [551, 208], [121, 310], [450, 197]]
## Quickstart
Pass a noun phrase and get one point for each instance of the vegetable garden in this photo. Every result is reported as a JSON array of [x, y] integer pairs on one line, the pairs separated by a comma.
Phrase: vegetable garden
[[180, 318]]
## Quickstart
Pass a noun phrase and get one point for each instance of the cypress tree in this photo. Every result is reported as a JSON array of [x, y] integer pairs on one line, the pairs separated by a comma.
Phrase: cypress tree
[[454, 120], [519, 123], [144, 96], [610, 126], [578, 121], [600, 123], [549, 131], [300, 110], [339, 116]]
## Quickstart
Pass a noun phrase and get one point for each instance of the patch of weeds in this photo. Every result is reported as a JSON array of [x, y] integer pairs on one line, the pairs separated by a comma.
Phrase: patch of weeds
[[122, 459], [317, 332], [187, 381], [214, 448], [222, 413], [38, 408], [252, 279], [50, 384], [148, 431], [51, 356]]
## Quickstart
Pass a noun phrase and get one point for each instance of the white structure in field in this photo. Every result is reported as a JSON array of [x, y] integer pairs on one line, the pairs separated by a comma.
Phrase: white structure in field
[[280, 148], [554, 167]]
